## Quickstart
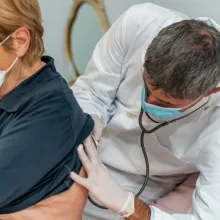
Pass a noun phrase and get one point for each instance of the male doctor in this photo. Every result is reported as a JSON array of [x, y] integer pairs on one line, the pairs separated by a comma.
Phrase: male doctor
[[155, 74]]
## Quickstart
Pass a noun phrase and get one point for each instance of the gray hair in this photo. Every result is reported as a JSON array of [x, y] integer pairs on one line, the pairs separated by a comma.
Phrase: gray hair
[[184, 60]]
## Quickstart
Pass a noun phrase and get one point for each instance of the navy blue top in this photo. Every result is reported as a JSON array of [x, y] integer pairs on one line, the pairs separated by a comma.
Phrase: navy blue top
[[41, 126]]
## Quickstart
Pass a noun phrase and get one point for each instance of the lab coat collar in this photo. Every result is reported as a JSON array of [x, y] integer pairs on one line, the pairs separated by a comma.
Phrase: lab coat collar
[[210, 22]]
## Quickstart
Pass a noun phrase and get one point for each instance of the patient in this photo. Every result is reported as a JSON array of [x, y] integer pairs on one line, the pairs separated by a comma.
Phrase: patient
[[41, 124]]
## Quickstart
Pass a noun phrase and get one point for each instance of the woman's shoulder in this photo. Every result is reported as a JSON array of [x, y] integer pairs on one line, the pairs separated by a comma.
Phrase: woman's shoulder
[[53, 93], [47, 93]]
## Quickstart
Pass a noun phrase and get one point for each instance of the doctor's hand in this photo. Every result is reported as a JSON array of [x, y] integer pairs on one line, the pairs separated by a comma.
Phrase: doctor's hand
[[97, 130], [100, 182]]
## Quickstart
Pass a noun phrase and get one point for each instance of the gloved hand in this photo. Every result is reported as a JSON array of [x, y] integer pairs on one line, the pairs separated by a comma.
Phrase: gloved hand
[[97, 131], [100, 183]]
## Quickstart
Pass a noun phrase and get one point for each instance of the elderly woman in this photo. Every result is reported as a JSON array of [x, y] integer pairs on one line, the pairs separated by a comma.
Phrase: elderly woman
[[41, 124]]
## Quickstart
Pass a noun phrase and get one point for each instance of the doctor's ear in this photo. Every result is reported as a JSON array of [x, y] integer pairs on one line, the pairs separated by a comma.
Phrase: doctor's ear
[[215, 90], [21, 41]]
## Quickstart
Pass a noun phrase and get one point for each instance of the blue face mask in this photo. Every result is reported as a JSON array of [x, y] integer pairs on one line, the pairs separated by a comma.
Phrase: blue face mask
[[157, 111]]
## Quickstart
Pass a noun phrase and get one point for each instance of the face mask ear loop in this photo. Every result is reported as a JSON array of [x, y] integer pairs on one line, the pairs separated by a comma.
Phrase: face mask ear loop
[[178, 109], [191, 103], [12, 65], [5, 40]]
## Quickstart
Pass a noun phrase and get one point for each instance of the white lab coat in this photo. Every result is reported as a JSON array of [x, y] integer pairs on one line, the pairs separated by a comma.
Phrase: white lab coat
[[111, 88]]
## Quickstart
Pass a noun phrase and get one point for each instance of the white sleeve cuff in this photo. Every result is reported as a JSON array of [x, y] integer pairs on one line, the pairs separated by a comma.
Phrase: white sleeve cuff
[[156, 214], [152, 214], [128, 208]]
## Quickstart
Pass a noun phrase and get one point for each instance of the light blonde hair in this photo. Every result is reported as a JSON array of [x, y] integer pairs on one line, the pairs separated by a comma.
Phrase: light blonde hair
[[22, 13]]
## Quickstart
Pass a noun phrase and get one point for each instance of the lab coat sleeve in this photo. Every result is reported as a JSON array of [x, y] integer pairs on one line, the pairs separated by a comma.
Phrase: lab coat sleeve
[[96, 90], [206, 197]]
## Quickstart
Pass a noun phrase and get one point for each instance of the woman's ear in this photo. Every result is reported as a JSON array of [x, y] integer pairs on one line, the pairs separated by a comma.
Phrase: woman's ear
[[21, 40]]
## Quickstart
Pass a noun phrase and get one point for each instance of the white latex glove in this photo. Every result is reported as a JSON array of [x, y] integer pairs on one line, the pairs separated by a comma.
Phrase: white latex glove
[[100, 183], [97, 130]]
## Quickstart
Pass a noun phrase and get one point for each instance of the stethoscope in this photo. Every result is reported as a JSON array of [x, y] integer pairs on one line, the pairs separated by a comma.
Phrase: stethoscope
[[143, 132]]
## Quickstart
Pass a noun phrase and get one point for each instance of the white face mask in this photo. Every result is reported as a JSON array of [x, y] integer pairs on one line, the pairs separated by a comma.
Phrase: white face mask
[[4, 72]]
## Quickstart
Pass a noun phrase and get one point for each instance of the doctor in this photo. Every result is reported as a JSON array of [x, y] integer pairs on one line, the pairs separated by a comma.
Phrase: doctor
[[155, 75]]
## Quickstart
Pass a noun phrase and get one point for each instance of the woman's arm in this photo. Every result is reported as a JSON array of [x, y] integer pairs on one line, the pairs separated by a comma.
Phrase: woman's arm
[[68, 205], [37, 153]]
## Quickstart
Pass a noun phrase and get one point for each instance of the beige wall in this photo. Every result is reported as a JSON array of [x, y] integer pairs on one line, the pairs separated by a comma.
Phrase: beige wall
[[55, 16]]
